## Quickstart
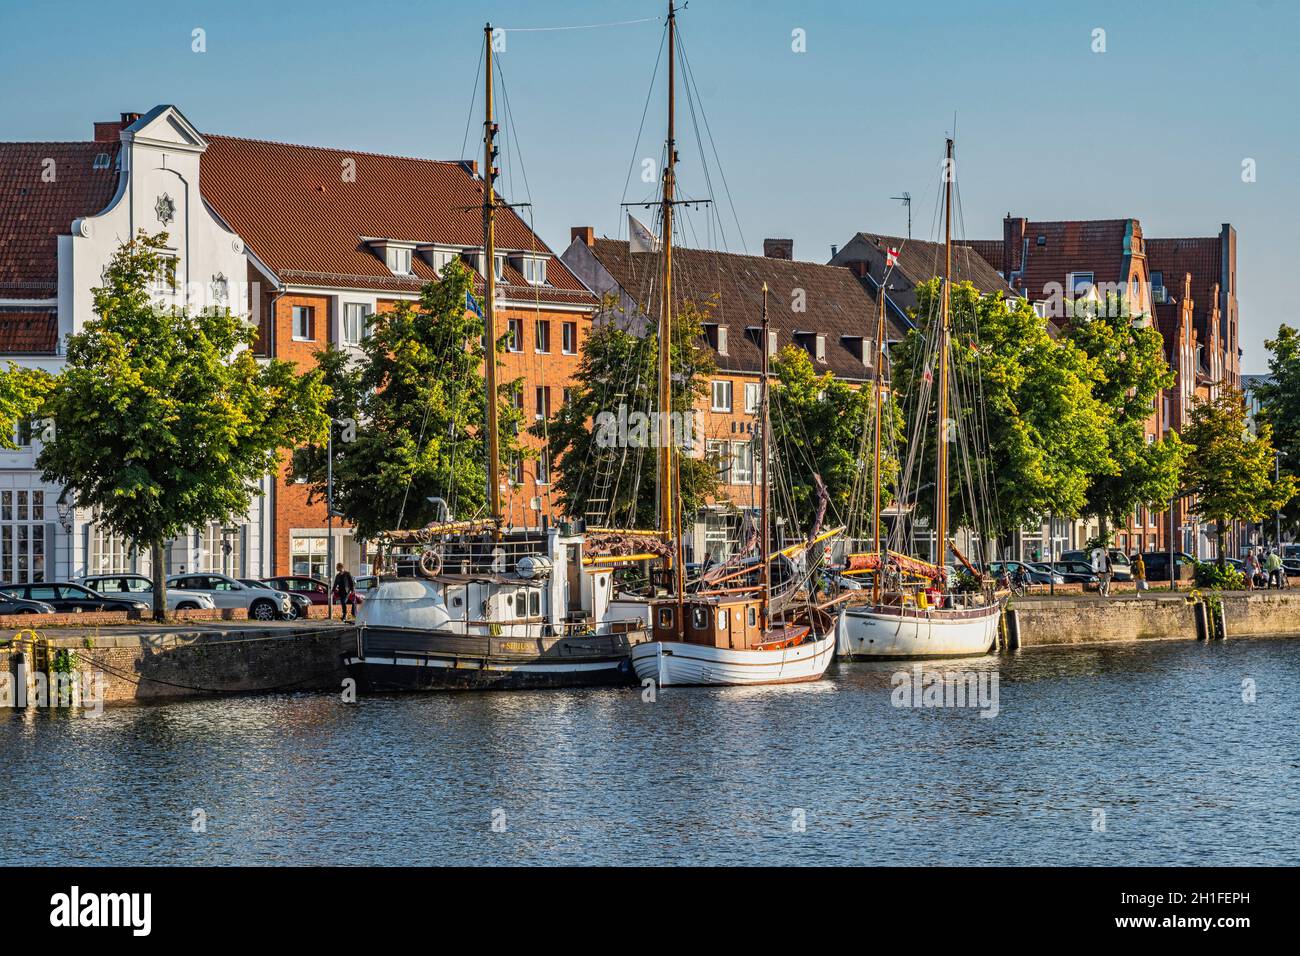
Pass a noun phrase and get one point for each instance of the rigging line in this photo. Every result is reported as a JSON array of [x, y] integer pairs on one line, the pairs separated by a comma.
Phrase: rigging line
[[579, 26], [641, 128], [472, 101]]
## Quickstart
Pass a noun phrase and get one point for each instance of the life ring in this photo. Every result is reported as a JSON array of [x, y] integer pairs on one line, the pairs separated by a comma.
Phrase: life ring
[[430, 563]]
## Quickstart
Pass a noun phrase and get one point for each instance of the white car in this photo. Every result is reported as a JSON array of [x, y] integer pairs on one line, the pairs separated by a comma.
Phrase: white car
[[262, 604], [141, 588]]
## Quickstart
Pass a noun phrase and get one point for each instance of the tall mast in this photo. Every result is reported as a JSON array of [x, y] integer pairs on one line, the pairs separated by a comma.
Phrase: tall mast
[[667, 471], [489, 286], [765, 458], [941, 482], [875, 470]]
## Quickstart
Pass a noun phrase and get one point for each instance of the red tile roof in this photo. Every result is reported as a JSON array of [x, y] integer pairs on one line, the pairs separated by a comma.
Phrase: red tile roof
[[1174, 258], [291, 206], [32, 332], [1095, 246], [34, 212], [839, 305]]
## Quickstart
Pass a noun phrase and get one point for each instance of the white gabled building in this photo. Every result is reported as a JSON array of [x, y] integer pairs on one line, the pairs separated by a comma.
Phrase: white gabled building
[[65, 208]]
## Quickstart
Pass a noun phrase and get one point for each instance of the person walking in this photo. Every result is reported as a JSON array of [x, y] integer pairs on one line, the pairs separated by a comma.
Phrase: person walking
[[1140, 572], [1101, 566], [1252, 568], [344, 586], [1273, 567]]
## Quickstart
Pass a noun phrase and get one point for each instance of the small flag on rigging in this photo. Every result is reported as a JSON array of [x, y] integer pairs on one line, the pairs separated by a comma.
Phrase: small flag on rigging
[[891, 258], [928, 375], [640, 238], [472, 304]]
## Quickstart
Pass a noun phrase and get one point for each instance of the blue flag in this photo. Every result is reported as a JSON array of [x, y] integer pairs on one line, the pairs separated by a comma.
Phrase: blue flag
[[472, 304]]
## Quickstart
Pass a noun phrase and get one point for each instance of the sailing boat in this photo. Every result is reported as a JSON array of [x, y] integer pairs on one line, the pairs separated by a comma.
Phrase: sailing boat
[[926, 618], [466, 604], [717, 636]]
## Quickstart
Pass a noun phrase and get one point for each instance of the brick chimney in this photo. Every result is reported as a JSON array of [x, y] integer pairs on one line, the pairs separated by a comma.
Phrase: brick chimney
[[778, 248], [108, 131], [1013, 244], [859, 268], [584, 233]]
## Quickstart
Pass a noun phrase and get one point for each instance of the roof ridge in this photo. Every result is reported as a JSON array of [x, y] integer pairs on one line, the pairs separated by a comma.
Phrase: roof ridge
[[740, 255], [335, 149]]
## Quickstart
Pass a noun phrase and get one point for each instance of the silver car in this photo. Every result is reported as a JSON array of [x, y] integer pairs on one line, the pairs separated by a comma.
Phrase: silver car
[[262, 604], [140, 587]]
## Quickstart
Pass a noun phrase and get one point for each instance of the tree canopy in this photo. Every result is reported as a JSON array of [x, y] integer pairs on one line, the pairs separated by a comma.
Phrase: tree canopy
[[163, 419], [1279, 400]]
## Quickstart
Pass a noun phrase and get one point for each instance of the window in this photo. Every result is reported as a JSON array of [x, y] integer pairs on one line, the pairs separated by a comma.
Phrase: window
[[515, 332], [309, 555], [221, 549], [109, 553], [500, 270], [535, 271], [354, 322], [742, 463], [722, 396], [304, 323], [752, 616], [569, 342], [102, 161], [521, 603], [1078, 283], [398, 260], [542, 329], [439, 258], [164, 282], [22, 535], [517, 470], [566, 395], [543, 401], [716, 451], [752, 398], [544, 467]]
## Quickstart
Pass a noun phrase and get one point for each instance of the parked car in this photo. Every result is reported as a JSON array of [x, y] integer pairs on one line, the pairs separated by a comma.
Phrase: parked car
[[14, 605], [301, 606], [1121, 569], [1157, 563], [1077, 572], [262, 604], [140, 588], [66, 596], [1031, 574], [314, 589]]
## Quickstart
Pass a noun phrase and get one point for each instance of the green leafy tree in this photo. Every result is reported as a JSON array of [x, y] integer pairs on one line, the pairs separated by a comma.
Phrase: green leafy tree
[[1131, 372], [1025, 409], [822, 425], [1279, 400], [22, 392], [410, 415], [604, 457], [1230, 471], [163, 419]]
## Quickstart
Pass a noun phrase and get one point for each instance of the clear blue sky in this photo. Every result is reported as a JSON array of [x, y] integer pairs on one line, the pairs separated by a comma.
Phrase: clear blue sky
[[813, 144]]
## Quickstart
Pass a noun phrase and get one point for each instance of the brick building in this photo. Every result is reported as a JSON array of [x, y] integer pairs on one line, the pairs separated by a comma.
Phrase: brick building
[[829, 311]]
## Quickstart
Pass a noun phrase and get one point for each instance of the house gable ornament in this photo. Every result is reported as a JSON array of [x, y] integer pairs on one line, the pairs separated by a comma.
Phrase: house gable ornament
[[165, 209]]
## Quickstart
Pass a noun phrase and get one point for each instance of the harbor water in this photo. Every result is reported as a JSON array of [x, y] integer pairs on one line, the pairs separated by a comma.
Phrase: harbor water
[[1143, 753]]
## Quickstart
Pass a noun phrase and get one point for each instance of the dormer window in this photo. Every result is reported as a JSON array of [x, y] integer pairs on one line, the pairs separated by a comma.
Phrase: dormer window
[[534, 271], [717, 337], [437, 257], [399, 261], [102, 161], [814, 343]]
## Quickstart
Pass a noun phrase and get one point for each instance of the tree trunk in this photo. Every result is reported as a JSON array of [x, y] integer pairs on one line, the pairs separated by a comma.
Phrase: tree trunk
[[1103, 530], [159, 581], [1220, 532]]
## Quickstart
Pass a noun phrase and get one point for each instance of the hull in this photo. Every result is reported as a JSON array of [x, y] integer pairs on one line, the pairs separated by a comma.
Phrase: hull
[[409, 659], [874, 633], [678, 664]]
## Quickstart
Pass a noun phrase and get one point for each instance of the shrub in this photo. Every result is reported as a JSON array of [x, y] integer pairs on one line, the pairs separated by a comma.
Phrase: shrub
[[1210, 575]]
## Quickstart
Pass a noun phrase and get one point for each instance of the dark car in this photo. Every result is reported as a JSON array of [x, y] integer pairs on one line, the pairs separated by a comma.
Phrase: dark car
[[66, 596], [1121, 570], [314, 589], [1076, 572], [13, 605], [1029, 573], [1157, 563], [299, 603]]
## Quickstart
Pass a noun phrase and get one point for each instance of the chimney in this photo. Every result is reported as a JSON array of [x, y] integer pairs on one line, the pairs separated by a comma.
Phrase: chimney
[[584, 233], [1013, 239], [108, 131], [778, 248], [859, 268]]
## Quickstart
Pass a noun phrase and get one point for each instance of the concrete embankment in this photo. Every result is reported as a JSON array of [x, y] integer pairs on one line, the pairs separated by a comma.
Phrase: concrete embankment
[[149, 662], [1151, 615]]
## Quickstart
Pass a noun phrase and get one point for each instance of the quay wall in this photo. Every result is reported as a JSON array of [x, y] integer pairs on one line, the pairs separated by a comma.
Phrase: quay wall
[[1048, 621]]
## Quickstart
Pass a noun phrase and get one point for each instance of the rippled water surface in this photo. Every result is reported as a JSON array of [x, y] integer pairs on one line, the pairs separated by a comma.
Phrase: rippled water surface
[[1155, 737]]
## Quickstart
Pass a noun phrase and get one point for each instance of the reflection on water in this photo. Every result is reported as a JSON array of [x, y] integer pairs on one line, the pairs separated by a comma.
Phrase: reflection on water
[[1155, 736]]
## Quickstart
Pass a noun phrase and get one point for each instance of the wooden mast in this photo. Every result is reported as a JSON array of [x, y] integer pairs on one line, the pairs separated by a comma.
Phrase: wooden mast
[[941, 481], [875, 470], [489, 286], [765, 422], [667, 472]]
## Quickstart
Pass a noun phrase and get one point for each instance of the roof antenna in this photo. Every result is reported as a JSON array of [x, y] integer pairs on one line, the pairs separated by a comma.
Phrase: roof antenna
[[906, 200]]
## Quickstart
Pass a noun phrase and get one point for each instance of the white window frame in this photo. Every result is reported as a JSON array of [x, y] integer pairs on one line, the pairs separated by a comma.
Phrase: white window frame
[[742, 463], [350, 310], [542, 336], [515, 339], [1072, 279], [569, 338], [753, 397], [535, 270], [400, 260], [310, 312], [726, 386]]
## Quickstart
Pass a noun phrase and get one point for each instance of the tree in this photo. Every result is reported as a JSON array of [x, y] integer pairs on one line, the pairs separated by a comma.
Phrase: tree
[[822, 425], [603, 439], [1025, 415], [1131, 372], [1230, 471], [411, 414], [22, 392], [163, 419], [1279, 400]]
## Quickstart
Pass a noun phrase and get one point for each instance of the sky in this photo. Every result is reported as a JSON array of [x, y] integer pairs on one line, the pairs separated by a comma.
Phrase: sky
[[812, 143]]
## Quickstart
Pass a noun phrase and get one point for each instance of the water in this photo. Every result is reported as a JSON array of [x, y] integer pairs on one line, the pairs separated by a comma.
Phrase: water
[[1155, 735]]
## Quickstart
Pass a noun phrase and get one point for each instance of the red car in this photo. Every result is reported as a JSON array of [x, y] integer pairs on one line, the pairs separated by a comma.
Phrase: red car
[[313, 589]]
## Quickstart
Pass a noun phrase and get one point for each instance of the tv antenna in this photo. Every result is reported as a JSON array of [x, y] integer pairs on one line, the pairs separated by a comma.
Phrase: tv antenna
[[906, 200]]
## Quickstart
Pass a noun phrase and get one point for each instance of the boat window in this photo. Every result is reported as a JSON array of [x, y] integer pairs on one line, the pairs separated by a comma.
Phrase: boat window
[[535, 602], [753, 617], [457, 602], [722, 618], [665, 617], [700, 618], [521, 603]]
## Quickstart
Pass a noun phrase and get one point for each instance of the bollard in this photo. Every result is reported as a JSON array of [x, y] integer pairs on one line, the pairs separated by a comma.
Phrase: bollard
[[1001, 640], [1012, 617], [1202, 618], [1220, 622]]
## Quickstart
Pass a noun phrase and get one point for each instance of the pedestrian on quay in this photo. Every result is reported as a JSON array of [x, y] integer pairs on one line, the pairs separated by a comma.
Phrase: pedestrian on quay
[[1273, 568], [1140, 572], [344, 589], [1101, 566], [1252, 569]]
